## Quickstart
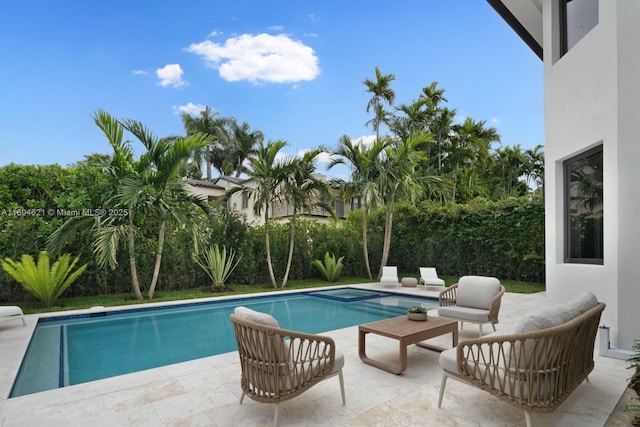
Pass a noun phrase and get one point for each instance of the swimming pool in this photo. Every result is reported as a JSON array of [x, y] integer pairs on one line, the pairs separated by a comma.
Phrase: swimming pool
[[75, 349]]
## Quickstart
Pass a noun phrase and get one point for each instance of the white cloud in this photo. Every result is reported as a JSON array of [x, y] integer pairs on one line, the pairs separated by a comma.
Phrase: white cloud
[[260, 58], [366, 140], [191, 109], [170, 75], [276, 28], [323, 157], [495, 120], [139, 72]]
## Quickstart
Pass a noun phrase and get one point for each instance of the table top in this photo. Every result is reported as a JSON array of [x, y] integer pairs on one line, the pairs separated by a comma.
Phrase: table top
[[401, 326]]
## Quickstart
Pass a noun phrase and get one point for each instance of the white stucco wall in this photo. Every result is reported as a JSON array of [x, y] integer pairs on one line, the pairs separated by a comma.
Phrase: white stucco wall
[[591, 96], [628, 167]]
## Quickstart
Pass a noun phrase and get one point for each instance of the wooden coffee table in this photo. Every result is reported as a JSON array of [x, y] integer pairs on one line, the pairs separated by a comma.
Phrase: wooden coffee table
[[406, 332]]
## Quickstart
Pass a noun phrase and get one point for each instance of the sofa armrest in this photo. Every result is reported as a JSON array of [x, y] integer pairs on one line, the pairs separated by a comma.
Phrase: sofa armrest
[[448, 296]]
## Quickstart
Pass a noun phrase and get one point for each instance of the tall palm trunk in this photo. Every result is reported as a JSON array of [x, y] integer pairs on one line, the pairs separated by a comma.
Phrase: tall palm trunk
[[388, 224], [156, 269], [208, 162], [132, 259], [365, 247], [267, 242], [292, 239]]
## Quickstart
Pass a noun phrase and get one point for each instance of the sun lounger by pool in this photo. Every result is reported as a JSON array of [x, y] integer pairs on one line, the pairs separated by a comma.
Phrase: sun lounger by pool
[[11, 312]]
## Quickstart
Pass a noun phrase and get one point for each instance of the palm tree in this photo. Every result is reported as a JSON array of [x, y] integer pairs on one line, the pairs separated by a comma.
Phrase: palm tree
[[534, 165], [510, 164], [303, 190], [108, 228], [268, 175], [470, 155], [381, 92], [365, 164], [207, 123], [398, 179], [147, 188], [243, 144], [163, 193]]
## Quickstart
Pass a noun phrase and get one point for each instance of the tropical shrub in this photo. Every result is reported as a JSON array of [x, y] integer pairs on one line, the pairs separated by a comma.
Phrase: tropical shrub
[[45, 282], [331, 269], [218, 264], [634, 383]]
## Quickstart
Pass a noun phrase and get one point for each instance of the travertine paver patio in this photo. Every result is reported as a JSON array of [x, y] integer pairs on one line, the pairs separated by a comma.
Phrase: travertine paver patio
[[206, 391]]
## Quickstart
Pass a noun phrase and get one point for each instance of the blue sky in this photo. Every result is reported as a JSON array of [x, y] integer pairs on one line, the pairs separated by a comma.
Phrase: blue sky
[[291, 69]]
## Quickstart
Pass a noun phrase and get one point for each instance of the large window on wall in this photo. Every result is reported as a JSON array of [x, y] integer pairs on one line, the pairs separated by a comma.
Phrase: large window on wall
[[577, 18], [584, 208]]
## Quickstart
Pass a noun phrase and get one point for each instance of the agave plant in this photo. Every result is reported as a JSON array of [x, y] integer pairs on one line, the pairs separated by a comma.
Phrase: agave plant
[[218, 264], [332, 268], [45, 282]]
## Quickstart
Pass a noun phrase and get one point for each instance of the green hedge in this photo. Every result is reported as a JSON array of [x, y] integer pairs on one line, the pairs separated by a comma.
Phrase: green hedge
[[504, 238]]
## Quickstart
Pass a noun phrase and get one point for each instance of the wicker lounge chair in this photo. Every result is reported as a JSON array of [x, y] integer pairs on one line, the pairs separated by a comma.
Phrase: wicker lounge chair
[[11, 312], [536, 367], [474, 299], [279, 364]]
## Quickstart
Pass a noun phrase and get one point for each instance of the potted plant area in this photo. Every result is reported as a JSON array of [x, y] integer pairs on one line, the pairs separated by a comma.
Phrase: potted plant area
[[417, 313], [634, 383]]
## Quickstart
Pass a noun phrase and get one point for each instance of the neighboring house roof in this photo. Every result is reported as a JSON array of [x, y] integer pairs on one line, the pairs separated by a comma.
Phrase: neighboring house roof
[[200, 183], [525, 17], [231, 179]]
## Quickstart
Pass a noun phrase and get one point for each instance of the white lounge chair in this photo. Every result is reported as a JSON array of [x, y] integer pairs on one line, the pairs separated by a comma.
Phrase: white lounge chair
[[429, 277], [11, 312], [389, 275]]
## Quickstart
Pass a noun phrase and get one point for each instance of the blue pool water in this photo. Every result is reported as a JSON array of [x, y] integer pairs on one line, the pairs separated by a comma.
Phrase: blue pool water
[[76, 349]]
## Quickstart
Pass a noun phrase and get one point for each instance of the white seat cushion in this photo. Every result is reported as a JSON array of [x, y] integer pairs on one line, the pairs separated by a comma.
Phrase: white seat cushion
[[448, 360], [465, 313], [339, 362]]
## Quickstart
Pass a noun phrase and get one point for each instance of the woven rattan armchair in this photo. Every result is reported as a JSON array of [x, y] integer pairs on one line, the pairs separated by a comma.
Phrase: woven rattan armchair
[[474, 299], [534, 370], [279, 364]]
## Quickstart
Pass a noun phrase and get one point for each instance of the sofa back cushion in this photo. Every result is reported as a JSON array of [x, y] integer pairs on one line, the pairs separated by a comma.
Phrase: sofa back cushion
[[583, 302], [553, 316], [544, 318], [477, 291]]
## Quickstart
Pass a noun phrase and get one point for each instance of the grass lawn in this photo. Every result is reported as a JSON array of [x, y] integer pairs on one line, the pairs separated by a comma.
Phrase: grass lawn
[[76, 303]]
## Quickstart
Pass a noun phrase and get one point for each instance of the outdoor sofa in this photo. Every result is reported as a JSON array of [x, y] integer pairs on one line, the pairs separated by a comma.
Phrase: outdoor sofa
[[538, 365]]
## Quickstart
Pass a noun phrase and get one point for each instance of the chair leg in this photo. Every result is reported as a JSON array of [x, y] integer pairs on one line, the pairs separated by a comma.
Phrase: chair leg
[[493, 325], [275, 415], [443, 383], [480, 324], [461, 325], [341, 378], [242, 397], [527, 418]]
